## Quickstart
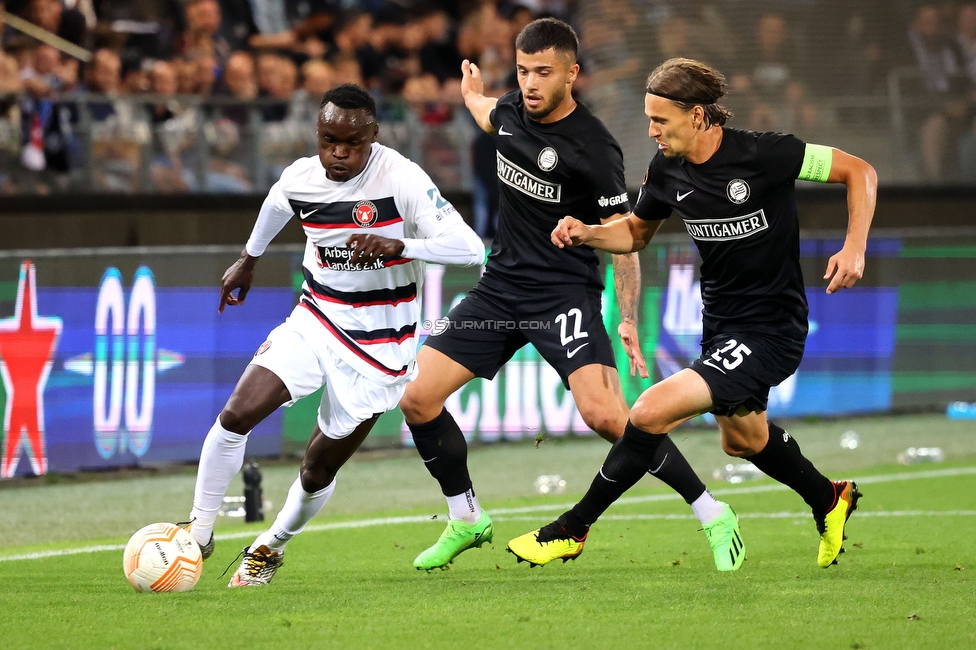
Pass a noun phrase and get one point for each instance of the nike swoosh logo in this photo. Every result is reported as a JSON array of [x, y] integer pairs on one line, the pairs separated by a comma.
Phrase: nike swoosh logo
[[682, 197], [430, 460], [502, 131], [302, 215], [569, 354], [655, 471]]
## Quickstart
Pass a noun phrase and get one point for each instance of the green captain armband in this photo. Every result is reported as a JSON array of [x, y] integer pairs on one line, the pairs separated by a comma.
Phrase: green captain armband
[[816, 163]]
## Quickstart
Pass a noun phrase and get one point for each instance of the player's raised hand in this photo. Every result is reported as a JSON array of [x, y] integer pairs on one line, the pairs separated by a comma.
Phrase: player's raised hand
[[627, 330], [368, 249], [471, 81], [846, 267], [569, 232], [240, 276]]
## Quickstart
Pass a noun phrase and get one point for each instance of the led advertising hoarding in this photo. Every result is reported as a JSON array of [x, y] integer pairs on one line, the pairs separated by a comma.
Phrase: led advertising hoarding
[[118, 358]]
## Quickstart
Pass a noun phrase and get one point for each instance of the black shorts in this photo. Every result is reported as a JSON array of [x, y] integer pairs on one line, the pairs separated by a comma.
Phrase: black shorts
[[488, 326], [740, 368]]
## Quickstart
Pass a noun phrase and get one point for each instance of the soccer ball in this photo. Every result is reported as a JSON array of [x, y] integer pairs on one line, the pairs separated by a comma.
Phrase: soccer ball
[[162, 557]]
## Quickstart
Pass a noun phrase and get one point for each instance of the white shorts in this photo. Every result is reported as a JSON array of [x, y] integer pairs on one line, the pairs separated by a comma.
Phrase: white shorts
[[296, 352]]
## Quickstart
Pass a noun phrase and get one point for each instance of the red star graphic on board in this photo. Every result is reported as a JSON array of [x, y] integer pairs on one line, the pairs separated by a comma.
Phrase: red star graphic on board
[[27, 344]]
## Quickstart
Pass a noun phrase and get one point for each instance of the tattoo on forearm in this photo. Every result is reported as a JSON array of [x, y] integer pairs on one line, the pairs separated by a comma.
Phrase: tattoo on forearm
[[627, 282]]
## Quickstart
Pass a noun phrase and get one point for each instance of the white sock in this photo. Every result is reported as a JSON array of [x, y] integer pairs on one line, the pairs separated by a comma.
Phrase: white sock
[[465, 507], [706, 508], [220, 460], [299, 508]]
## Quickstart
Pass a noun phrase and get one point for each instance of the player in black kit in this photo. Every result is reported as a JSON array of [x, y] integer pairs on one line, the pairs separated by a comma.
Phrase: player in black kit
[[554, 158], [734, 190]]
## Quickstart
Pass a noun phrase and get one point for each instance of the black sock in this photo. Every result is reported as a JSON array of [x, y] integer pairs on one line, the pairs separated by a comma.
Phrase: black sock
[[672, 467], [629, 459], [445, 452], [781, 459]]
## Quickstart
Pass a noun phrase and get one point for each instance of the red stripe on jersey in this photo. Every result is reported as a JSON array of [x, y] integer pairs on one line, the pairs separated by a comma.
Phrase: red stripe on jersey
[[340, 336], [331, 226]]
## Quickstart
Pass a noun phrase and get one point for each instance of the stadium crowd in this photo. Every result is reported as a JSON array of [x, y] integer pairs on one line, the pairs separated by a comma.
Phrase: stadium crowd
[[243, 77]]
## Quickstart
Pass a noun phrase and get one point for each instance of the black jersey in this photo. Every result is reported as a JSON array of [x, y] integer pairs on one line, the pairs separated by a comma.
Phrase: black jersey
[[739, 208], [546, 172]]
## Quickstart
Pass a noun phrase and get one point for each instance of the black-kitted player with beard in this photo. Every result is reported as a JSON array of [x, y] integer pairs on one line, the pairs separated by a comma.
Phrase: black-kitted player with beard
[[554, 158], [734, 190]]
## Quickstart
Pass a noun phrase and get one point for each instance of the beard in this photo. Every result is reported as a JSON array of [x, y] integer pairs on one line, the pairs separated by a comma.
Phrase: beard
[[544, 110]]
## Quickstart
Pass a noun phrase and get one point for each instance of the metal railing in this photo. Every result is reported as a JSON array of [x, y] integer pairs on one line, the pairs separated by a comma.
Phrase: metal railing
[[217, 144], [214, 144]]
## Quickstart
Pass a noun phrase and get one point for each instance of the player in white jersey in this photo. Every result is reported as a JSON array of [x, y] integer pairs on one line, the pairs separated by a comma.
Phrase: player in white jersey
[[372, 219]]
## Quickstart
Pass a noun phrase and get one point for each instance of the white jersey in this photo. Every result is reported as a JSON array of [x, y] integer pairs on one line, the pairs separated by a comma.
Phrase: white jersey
[[369, 311]]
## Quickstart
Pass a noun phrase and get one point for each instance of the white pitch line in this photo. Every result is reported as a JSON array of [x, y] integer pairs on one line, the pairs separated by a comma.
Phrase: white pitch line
[[502, 513]]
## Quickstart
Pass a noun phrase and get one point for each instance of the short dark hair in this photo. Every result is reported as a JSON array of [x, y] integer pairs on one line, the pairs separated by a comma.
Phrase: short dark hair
[[689, 83], [546, 33], [350, 96]]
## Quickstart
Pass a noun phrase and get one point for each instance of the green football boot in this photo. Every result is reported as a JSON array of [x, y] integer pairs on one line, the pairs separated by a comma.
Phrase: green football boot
[[456, 538], [725, 540]]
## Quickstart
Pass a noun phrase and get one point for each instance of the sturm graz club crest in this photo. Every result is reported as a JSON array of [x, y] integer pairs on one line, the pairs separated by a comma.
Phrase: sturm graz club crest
[[738, 191], [547, 159], [364, 214]]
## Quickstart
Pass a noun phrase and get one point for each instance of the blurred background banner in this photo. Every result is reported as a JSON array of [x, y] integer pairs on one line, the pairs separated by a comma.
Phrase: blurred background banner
[[139, 363]]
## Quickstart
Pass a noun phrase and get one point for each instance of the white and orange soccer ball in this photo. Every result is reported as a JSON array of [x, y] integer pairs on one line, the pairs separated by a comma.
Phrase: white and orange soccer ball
[[162, 557]]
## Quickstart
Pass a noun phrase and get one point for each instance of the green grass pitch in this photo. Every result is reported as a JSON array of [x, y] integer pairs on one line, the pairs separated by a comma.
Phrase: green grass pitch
[[646, 578]]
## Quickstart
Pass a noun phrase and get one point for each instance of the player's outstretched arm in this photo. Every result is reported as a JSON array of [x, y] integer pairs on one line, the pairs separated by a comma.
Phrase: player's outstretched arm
[[274, 214], [847, 267], [238, 277], [454, 245], [473, 92], [626, 235]]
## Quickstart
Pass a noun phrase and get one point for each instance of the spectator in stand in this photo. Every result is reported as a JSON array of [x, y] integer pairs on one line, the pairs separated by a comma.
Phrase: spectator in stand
[[347, 70], [966, 38], [186, 76], [966, 41], [10, 127], [317, 79], [240, 83], [103, 76], [205, 69], [284, 26], [233, 127], [142, 29], [202, 35], [117, 134], [52, 15], [709, 33], [774, 64], [171, 130], [46, 124], [351, 39], [439, 54], [277, 77], [485, 38], [940, 63], [237, 22], [135, 73]]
